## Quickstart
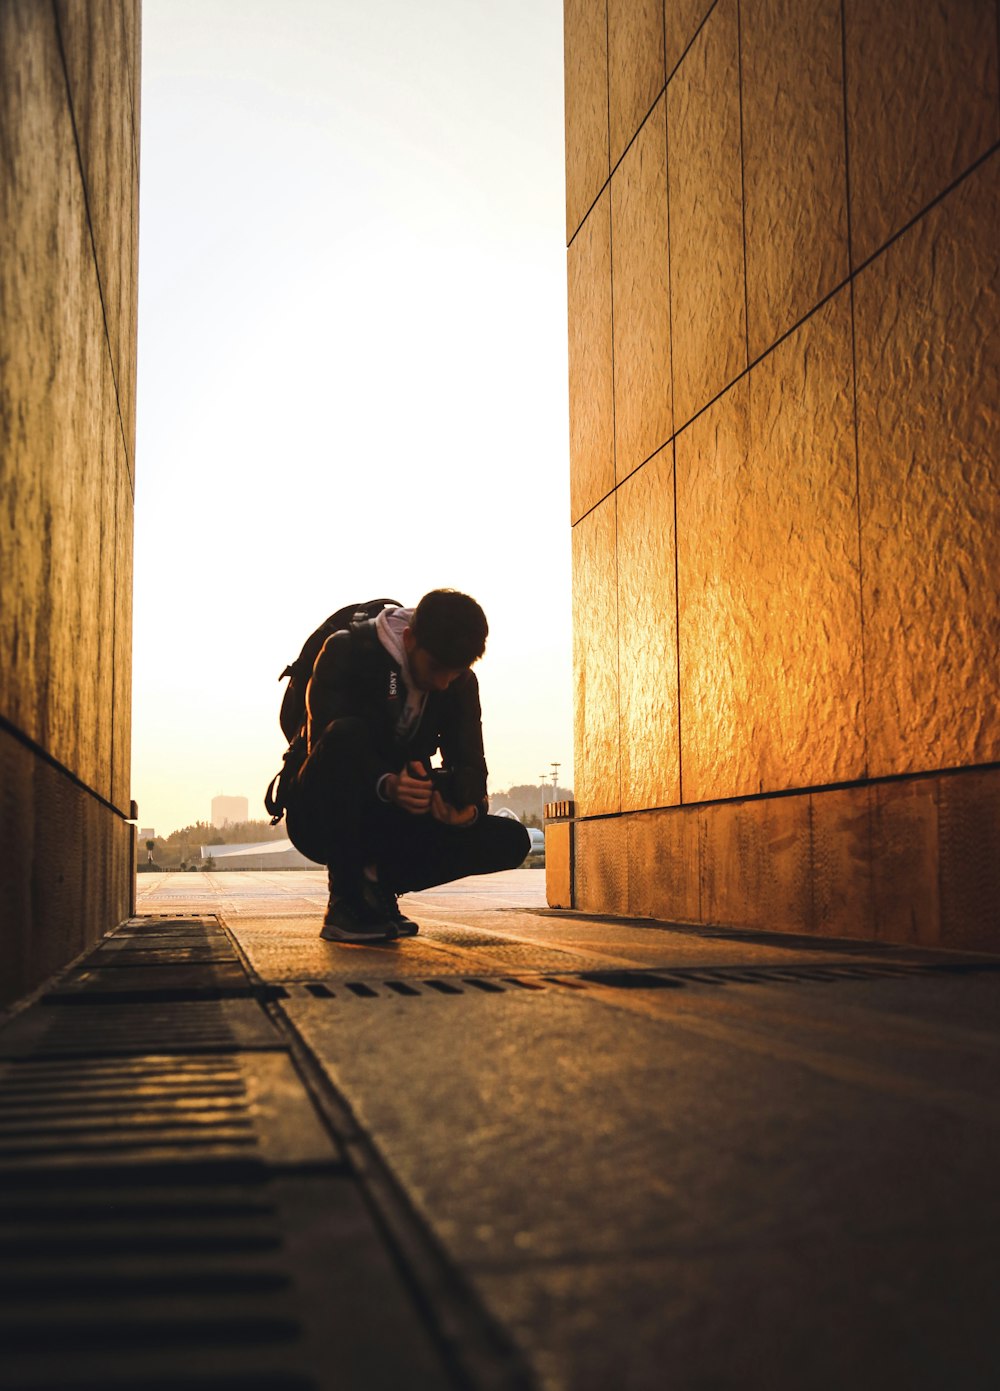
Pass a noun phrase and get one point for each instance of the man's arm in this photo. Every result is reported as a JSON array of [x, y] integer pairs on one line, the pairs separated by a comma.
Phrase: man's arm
[[462, 742], [336, 687], [343, 684]]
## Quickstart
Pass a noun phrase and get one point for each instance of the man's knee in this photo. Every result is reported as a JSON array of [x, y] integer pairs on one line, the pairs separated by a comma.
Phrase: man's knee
[[510, 840]]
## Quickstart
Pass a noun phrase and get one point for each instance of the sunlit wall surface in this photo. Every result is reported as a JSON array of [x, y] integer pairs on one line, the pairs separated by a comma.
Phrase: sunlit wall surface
[[69, 140], [783, 303]]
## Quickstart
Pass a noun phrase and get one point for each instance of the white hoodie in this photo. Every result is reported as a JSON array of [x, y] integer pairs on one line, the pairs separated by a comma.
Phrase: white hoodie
[[389, 626]]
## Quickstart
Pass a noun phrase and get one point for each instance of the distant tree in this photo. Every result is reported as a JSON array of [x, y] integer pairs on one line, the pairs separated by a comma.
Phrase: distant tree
[[529, 800], [247, 832], [181, 847]]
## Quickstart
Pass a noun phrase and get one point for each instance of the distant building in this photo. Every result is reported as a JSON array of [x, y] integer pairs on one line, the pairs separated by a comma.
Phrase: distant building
[[270, 854], [229, 811], [147, 833]]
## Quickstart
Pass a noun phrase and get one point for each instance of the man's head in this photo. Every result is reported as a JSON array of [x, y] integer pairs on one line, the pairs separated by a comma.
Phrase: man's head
[[446, 635]]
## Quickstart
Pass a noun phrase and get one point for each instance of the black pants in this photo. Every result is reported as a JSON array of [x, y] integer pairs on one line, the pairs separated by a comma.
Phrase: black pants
[[336, 818]]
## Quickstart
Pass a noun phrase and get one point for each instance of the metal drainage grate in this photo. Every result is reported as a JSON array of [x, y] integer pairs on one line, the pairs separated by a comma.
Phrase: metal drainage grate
[[174, 1213], [142, 1246], [124, 1028], [644, 978], [146, 1285], [65, 1113], [161, 960]]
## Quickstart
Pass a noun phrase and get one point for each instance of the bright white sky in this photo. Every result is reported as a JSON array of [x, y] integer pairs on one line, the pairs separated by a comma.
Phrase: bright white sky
[[352, 364]]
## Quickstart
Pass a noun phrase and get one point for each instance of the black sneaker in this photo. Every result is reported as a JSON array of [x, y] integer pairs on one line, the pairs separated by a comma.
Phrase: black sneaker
[[382, 901], [353, 920]]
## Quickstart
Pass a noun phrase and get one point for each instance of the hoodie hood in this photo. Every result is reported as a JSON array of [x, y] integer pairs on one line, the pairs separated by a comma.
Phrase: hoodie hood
[[389, 627]]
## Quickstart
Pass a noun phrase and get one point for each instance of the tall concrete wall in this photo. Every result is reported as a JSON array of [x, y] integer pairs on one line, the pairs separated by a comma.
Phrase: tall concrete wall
[[784, 284], [69, 195]]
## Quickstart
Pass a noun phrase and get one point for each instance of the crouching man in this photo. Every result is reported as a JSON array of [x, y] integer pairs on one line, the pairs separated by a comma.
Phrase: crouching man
[[385, 696]]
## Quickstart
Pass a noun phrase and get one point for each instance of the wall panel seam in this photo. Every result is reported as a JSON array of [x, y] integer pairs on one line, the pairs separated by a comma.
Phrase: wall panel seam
[[131, 83], [809, 790], [847, 143], [918, 216], [717, 397], [8, 727], [677, 636], [618, 656], [743, 180], [872, 900], [638, 132], [835, 290], [939, 867], [613, 169], [114, 650], [854, 382], [820, 303], [673, 435], [614, 416], [811, 861], [639, 127], [857, 510], [90, 224], [687, 46]]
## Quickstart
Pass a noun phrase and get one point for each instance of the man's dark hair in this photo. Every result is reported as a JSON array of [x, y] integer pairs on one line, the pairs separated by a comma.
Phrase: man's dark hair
[[451, 627]]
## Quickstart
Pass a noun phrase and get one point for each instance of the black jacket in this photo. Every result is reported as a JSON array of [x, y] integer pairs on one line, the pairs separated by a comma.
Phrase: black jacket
[[355, 676]]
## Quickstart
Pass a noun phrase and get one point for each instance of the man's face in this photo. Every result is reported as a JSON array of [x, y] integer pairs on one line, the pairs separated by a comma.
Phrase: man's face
[[427, 672]]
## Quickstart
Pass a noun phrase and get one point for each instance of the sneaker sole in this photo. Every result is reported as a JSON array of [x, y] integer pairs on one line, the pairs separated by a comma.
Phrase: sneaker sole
[[340, 934]]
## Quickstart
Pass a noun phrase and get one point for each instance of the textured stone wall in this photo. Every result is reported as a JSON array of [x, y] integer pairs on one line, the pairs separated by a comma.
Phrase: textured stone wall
[[69, 195], [784, 285]]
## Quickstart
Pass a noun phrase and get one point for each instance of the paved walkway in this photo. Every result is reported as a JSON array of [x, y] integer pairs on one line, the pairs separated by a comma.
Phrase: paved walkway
[[554, 1150]]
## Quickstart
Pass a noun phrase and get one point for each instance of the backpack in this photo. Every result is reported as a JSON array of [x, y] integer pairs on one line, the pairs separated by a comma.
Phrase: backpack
[[293, 704]]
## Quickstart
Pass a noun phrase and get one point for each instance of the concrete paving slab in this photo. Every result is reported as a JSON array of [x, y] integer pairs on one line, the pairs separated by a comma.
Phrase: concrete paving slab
[[532, 1130], [777, 1169], [759, 1315]]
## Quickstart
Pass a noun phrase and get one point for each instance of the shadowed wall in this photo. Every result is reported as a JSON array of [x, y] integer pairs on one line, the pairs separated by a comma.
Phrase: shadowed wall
[[783, 304], [69, 195]]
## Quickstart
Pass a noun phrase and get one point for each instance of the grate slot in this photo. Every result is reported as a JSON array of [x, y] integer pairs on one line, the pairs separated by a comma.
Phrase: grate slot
[[488, 987], [189, 1282], [400, 987], [443, 987], [221, 1207], [630, 980], [363, 992], [95, 1244], [319, 991], [117, 1335]]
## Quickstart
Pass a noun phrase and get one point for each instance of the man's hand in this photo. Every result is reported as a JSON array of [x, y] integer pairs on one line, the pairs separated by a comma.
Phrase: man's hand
[[451, 816], [410, 789]]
